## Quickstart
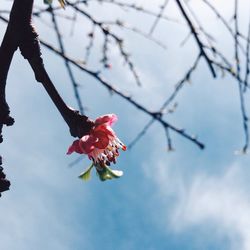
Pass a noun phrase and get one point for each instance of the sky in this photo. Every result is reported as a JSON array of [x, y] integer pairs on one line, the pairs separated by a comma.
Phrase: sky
[[186, 199]]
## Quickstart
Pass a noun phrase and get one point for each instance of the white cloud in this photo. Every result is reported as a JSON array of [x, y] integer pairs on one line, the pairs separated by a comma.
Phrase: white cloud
[[221, 202]]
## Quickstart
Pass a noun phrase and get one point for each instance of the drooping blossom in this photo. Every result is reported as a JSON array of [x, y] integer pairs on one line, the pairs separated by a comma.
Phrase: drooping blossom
[[102, 147]]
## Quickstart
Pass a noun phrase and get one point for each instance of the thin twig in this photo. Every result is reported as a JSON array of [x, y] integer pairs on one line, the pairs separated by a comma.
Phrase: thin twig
[[169, 141], [224, 22], [118, 40], [141, 134], [136, 31], [241, 89], [177, 89], [68, 68], [199, 43], [90, 45], [180, 84], [159, 16], [247, 58], [131, 6]]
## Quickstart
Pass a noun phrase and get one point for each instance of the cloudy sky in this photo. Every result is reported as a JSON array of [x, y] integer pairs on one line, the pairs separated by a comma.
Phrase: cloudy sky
[[186, 199]]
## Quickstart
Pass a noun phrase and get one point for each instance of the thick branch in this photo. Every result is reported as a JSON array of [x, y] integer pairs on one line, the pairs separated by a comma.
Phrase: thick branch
[[22, 34]]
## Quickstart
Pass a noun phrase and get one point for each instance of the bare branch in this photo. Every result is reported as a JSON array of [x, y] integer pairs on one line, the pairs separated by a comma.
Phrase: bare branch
[[159, 16], [224, 22], [178, 87], [241, 89], [199, 43], [111, 88], [141, 134], [169, 141], [130, 6], [89, 47], [68, 68], [247, 58], [137, 31], [106, 32]]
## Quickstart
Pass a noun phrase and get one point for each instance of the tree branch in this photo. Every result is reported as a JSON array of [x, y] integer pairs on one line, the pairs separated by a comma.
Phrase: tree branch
[[68, 68], [22, 34], [199, 43]]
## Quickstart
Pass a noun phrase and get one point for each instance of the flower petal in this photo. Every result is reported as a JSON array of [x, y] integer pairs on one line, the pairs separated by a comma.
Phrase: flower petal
[[102, 139], [75, 147], [87, 143], [108, 119], [106, 129]]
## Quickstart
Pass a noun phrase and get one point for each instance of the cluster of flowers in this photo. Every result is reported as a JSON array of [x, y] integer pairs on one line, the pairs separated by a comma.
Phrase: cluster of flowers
[[102, 147]]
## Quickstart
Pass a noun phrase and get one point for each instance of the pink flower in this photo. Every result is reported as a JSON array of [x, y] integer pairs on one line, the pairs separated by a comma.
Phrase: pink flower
[[101, 144]]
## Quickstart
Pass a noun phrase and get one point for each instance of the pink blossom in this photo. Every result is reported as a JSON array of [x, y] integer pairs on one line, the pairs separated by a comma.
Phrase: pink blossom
[[101, 144]]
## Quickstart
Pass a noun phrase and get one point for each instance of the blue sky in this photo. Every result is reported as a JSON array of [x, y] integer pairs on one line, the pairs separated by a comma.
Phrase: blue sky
[[186, 199]]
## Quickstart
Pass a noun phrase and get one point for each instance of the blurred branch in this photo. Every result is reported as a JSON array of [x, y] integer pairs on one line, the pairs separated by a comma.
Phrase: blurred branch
[[90, 45], [241, 87], [180, 84], [159, 16], [136, 31], [68, 68], [141, 133], [169, 141], [208, 36], [130, 6], [223, 20], [247, 58], [107, 33]]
